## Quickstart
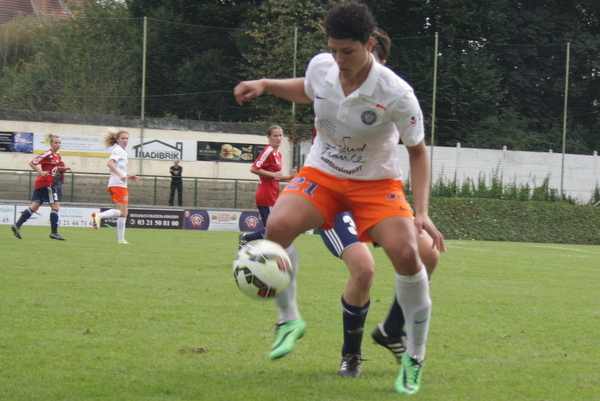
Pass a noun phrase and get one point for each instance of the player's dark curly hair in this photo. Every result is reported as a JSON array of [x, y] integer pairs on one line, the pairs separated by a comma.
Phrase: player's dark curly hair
[[350, 21]]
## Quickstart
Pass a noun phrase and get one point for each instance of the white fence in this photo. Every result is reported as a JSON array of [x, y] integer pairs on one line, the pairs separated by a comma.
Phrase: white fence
[[577, 175]]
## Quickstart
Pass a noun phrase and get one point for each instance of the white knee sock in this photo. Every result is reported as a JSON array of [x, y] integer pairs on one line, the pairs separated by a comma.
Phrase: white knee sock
[[412, 293], [286, 301], [121, 229]]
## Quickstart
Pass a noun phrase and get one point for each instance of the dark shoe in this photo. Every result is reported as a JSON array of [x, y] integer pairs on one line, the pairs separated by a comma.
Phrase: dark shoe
[[350, 366], [57, 236], [16, 231], [242, 241], [396, 345]]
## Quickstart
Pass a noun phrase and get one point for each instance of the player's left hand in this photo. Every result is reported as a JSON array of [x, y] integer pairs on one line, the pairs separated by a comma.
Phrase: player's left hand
[[424, 223]]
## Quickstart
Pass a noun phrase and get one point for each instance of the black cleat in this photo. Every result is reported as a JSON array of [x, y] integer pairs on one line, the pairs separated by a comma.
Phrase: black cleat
[[242, 241], [350, 366], [57, 236], [16, 231], [396, 345]]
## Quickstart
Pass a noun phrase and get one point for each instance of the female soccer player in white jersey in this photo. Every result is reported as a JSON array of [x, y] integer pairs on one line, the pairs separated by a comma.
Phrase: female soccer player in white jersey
[[342, 241], [117, 183], [361, 109]]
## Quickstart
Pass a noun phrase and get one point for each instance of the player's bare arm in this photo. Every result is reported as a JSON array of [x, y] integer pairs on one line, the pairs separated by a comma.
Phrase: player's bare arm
[[39, 170], [419, 174], [290, 89], [112, 165]]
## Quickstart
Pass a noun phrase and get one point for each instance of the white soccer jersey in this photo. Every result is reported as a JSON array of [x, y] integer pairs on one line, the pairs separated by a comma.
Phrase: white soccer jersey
[[119, 155], [357, 136]]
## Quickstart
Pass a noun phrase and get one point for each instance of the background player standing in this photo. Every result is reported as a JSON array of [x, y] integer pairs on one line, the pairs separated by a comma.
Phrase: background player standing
[[268, 167], [176, 182]]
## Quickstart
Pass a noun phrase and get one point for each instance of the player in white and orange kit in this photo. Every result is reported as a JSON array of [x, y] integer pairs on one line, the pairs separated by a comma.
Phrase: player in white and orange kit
[[361, 109], [342, 241], [117, 182]]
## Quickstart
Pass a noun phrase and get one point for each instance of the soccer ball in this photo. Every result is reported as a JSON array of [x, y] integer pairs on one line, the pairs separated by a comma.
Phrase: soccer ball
[[262, 269]]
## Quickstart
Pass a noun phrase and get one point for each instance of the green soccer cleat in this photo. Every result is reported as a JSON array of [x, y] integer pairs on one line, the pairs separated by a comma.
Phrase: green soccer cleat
[[409, 380], [286, 336]]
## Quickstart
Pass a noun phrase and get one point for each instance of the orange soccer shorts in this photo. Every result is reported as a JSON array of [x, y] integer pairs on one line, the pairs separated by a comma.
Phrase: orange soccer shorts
[[119, 194], [369, 201]]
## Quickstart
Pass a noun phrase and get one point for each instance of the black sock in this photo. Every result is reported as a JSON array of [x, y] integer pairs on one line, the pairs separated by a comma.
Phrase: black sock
[[354, 318], [394, 323], [25, 215], [54, 221], [260, 234]]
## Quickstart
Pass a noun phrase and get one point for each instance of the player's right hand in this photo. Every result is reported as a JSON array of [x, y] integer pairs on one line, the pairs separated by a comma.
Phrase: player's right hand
[[247, 90]]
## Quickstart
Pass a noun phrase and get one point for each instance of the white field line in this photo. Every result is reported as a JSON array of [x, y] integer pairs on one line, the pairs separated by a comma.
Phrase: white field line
[[532, 245]]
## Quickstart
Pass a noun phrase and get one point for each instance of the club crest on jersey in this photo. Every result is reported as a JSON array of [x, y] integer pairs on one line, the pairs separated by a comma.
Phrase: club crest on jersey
[[368, 117]]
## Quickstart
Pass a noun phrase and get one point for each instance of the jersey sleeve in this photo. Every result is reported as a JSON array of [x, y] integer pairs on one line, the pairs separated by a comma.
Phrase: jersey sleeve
[[260, 160], [38, 160], [118, 153], [316, 68], [408, 119]]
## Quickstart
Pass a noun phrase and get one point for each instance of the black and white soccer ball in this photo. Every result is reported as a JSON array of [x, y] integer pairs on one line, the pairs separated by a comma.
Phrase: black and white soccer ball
[[262, 269]]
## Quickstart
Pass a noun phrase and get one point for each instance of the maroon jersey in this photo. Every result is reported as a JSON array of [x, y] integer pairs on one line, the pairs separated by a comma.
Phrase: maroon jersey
[[49, 161], [268, 188]]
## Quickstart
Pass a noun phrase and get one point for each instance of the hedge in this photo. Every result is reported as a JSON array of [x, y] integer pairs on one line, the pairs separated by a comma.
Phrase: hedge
[[517, 221]]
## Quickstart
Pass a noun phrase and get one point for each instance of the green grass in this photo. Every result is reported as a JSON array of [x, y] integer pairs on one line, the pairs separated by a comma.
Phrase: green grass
[[161, 319]]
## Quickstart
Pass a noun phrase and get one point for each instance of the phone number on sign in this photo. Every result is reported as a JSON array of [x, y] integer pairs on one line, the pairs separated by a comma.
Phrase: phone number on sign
[[154, 223], [75, 223]]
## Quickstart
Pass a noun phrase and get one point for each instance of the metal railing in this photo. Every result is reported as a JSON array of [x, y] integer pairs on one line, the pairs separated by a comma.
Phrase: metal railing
[[18, 184]]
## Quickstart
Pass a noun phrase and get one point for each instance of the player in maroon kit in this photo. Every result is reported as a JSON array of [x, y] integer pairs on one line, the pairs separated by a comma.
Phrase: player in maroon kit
[[47, 165], [268, 167]]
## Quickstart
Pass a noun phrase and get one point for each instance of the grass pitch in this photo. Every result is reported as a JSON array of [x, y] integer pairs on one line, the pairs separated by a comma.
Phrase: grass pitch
[[161, 319]]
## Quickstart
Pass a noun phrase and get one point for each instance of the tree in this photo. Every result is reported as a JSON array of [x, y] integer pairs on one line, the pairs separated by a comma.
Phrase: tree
[[540, 88], [507, 48], [192, 57], [81, 65], [271, 54], [468, 84]]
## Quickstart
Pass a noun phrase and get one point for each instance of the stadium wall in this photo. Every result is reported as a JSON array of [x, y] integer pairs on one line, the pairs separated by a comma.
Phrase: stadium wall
[[577, 175], [183, 132]]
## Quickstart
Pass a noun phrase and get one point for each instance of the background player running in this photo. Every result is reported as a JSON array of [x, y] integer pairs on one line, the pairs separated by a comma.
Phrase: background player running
[[47, 165]]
